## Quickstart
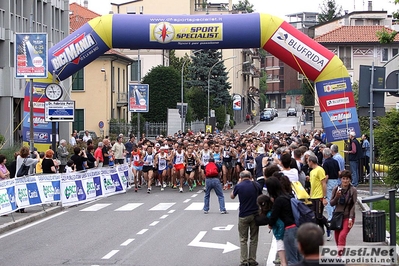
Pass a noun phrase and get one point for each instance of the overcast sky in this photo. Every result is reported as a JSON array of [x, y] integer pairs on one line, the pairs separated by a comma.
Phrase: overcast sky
[[281, 9]]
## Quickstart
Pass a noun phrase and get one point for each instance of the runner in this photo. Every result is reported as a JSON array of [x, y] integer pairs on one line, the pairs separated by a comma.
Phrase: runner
[[148, 167], [178, 167], [137, 167], [227, 165], [191, 161], [161, 162]]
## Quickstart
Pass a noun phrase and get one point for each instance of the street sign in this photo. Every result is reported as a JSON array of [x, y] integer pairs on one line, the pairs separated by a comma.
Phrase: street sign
[[101, 124], [61, 111]]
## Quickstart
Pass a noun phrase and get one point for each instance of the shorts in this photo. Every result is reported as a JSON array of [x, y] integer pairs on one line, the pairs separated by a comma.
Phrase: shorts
[[161, 171], [178, 167], [203, 167], [280, 245], [229, 164], [138, 168], [147, 168], [238, 164]]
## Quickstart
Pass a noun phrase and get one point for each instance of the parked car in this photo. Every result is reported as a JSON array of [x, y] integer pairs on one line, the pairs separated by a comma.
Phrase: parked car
[[291, 112], [92, 134], [271, 110], [266, 116], [275, 112]]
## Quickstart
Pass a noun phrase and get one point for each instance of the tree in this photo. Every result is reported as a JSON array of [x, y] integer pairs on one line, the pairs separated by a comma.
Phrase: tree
[[244, 6], [387, 137], [308, 95], [329, 11], [219, 86], [164, 84]]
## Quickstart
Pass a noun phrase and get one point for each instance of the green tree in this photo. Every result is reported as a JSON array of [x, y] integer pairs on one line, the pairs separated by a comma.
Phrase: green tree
[[387, 137], [219, 86], [308, 93], [197, 99], [164, 84], [329, 11], [244, 6]]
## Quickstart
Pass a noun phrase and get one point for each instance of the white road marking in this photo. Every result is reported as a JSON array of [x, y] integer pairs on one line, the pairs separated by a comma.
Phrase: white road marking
[[197, 243], [232, 206], [187, 200], [171, 211], [129, 207], [163, 216], [95, 207], [110, 254], [154, 223], [31, 224], [127, 242], [198, 206], [162, 206], [193, 196], [272, 252], [142, 231]]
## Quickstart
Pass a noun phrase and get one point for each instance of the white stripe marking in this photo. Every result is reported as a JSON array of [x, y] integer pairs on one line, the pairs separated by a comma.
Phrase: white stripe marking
[[162, 206], [200, 191], [32, 224], [154, 223], [193, 196], [127, 242], [272, 252], [232, 206], [129, 207], [109, 255], [95, 207], [171, 211], [163, 216], [187, 200], [142, 231], [195, 206]]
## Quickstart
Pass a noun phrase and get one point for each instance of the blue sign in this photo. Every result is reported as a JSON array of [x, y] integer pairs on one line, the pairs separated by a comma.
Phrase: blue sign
[[59, 111], [31, 55], [138, 98]]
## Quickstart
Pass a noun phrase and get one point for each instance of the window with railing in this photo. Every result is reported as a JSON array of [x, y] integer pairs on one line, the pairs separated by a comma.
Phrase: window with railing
[[345, 54]]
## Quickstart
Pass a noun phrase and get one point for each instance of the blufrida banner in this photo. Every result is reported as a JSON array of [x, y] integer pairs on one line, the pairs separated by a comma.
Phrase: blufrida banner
[[69, 189]]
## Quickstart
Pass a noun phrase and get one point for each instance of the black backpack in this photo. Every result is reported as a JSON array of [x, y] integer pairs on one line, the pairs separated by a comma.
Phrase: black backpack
[[24, 169]]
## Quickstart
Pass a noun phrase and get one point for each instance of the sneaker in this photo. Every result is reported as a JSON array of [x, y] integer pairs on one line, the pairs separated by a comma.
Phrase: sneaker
[[223, 212], [190, 188], [139, 186], [149, 190], [225, 187], [136, 189], [203, 183], [162, 189], [174, 186], [164, 185], [329, 235], [180, 189], [277, 261], [205, 212], [194, 184]]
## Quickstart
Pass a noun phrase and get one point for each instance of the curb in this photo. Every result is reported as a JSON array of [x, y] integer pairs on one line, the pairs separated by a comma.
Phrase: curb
[[365, 207], [29, 219]]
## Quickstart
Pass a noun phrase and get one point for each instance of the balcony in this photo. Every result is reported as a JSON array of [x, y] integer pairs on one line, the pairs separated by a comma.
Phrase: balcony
[[211, 7], [121, 99]]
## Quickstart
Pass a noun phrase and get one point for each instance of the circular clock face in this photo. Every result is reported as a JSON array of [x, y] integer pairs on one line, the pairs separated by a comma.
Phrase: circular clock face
[[53, 92]]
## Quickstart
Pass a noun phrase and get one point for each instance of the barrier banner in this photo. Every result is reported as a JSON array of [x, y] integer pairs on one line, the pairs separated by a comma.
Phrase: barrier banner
[[49, 187], [27, 192], [123, 172], [7, 196]]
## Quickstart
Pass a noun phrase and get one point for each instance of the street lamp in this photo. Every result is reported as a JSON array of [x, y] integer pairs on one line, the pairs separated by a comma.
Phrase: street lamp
[[182, 91], [209, 79]]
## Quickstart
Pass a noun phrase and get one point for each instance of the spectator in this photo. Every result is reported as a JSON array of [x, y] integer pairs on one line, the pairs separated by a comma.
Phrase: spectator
[[344, 199], [98, 155], [72, 140], [106, 144], [91, 161], [291, 173], [248, 191], [86, 136], [355, 153], [366, 154], [48, 165], [282, 210], [70, 167], [4, 173], [12, 166], [119, 150], [79, 158], [62, 155], [338, 158], [24, 154], [310, 239], [213, 182], [129, 148]]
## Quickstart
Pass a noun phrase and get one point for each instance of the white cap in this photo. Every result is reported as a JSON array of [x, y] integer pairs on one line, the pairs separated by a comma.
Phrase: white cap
[[353, 133], [157, 145]]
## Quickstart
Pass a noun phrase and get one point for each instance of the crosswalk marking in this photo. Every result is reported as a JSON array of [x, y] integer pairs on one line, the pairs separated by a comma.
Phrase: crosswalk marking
[[163, 216], [162, 206], [187, 200], [95, 207], [129, 207], [197, 206]]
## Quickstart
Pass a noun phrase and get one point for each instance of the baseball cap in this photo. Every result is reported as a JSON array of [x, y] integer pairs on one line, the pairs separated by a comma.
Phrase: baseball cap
[[157, 145]]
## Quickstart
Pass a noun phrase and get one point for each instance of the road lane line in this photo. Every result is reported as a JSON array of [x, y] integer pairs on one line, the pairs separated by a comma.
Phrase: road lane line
[[129, 207], [154, 223], [127, 242], [163, 216], [95, 207], [142, 231], [193, 196], [32, 224], [171, 211], [110, 254], [187, 200], [272, 252], [162, 206]]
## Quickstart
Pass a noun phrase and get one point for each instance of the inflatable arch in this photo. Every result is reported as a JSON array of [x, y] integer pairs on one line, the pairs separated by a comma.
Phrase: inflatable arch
[[253, 30]]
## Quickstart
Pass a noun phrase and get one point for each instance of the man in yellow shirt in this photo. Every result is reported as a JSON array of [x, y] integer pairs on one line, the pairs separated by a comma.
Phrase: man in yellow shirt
[[318, 192], [39, 169]]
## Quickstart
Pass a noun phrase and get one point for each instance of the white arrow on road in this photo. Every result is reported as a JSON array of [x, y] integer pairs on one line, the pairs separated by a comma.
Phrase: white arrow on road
[[197, 243]]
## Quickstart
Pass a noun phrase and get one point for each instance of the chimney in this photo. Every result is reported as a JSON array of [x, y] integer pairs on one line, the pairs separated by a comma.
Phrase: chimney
[[370, 6], [86, 3]]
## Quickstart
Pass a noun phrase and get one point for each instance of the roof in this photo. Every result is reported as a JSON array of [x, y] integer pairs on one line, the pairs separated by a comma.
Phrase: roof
[[119, 55], [353, 34], [79, 15]]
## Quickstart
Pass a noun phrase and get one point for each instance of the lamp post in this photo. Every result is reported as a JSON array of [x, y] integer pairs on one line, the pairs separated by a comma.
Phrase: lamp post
[[182, 91], [209, 79]]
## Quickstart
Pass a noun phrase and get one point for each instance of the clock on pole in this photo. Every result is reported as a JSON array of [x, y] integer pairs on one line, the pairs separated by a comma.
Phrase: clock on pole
[[53, 92]]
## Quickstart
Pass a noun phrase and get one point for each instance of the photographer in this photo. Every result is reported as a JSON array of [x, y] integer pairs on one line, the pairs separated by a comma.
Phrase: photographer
[[79, 158]]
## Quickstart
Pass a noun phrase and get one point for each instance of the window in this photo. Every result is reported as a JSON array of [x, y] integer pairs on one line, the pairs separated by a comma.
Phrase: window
[[79, 122], [345, 54], [135, 69], [78, 81], [384, 54], [395, 51]]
